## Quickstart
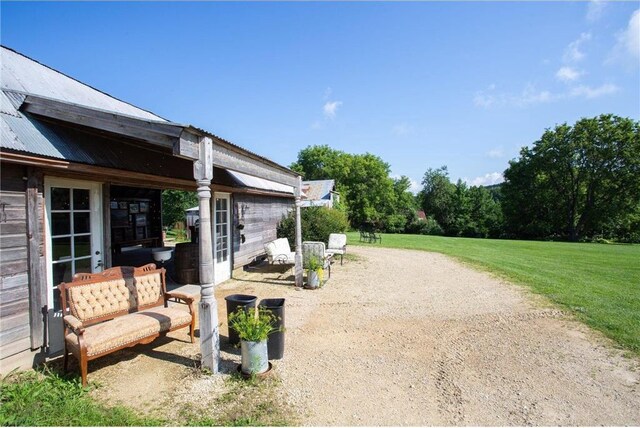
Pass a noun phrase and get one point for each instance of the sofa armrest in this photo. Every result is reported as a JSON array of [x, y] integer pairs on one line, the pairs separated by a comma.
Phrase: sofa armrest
[[74, 324], [187, 298]]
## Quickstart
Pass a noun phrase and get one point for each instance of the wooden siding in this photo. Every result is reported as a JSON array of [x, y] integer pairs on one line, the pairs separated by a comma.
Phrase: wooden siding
[[15, 331], [260, 216]]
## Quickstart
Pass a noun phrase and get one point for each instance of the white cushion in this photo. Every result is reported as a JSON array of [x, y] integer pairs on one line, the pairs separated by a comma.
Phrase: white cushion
[[279, 251], [337, 241]]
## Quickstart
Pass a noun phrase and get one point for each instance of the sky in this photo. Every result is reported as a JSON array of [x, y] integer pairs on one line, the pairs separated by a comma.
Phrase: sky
[[419, 84]]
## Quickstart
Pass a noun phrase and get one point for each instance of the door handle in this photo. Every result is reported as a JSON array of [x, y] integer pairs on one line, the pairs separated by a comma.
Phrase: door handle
[[99, 264]]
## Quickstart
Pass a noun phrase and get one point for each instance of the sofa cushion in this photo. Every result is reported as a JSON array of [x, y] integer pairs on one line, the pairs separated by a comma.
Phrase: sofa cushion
[[104, 298], [120, 331]]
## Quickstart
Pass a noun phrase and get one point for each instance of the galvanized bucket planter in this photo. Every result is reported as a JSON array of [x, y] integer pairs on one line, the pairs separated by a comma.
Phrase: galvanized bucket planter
[[313, 279], [255, 357]]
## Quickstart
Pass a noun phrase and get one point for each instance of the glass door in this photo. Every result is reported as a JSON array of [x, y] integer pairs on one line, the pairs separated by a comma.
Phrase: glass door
[[221, 240], [74, 240]]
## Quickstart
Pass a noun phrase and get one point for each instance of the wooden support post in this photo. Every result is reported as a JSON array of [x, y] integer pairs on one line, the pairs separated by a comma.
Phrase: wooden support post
[[208, 313], [298, 258], [37, 278]]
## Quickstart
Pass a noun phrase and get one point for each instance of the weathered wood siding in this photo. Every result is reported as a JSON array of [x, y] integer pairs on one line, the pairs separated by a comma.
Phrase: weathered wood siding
[[260, 216], [15, 326]]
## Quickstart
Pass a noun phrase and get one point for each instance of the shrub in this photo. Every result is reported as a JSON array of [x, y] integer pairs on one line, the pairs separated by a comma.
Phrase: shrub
[[425, 227], [317, 224]]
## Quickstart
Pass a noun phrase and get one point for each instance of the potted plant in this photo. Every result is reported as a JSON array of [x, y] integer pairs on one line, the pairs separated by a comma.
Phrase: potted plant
[[314, 272], [253, 328]]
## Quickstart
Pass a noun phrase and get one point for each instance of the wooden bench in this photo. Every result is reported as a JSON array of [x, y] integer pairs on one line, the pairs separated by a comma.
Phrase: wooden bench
[[118, 308]]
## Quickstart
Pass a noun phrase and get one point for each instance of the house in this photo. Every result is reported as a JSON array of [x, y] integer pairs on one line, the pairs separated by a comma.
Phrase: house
[[421, 215], [81, 176], [319, 193]]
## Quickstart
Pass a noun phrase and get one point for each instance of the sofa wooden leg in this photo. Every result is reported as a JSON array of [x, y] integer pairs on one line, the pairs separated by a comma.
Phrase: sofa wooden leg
[[83, 371], [65, 361]]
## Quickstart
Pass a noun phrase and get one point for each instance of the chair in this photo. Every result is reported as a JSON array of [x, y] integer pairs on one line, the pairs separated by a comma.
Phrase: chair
[[373, 237], [337, 245], [316, 249], [278, 251]]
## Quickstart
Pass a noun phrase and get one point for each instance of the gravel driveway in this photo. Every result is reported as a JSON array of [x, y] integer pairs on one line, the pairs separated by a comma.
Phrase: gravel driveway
[[403, 337]]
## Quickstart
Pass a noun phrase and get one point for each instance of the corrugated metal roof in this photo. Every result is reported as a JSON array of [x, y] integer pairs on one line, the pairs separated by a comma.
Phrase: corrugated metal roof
[[317, 190], [22, 74], [260, 183]]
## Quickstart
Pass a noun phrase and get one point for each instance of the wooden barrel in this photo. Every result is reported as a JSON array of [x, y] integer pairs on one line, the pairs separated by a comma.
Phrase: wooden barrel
[[187, 260]]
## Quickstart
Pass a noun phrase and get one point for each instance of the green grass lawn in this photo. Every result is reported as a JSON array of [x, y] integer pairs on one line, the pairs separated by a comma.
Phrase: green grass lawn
[[598, 283]]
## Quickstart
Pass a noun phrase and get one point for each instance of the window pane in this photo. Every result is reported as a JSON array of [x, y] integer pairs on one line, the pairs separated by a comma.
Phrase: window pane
[[223, 204], [60, 198], [60, 224], [80, 199], [217, 204], [82, 246], [83, 265], [81, 223], [60, 248], [61, 273]]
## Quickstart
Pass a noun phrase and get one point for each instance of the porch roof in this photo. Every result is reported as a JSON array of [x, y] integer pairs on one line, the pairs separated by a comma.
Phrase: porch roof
[[36, 101]]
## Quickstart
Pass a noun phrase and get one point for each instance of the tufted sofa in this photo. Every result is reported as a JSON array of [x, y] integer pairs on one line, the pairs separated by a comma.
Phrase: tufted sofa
[[119, 308]]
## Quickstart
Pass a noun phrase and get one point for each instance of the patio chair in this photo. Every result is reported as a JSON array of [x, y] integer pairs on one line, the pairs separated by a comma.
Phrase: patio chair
[[337, 245], [278, 251], [316, 249], [373, 237]]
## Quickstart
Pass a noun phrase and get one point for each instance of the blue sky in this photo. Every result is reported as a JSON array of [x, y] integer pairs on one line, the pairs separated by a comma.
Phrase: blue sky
[[421, 85]]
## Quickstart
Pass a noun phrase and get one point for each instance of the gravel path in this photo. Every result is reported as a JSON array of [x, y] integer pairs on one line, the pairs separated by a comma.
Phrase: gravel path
[[403, 337]]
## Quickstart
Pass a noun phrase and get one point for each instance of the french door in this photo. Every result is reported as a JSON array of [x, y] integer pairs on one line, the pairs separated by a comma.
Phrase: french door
[[221, 234], [73, 228]]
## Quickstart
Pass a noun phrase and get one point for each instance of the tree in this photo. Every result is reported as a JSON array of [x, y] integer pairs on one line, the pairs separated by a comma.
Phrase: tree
[[362, 180], [575, 179], [174, 204], [437, 197]]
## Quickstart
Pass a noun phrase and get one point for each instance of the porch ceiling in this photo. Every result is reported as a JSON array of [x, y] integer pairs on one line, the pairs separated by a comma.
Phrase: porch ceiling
[[57, 140]]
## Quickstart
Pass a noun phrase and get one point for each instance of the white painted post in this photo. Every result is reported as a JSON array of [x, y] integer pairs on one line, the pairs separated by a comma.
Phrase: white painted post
[[298, 267], [208, 314]]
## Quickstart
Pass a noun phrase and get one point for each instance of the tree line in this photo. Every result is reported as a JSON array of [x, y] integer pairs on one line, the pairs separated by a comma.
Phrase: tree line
[[577, 182]]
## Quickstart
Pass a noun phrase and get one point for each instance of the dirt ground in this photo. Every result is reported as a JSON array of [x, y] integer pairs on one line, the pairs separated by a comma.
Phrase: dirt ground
[[400, 337]]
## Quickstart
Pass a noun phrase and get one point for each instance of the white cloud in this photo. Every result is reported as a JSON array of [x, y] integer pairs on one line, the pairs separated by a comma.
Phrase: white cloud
[[627, 47], [402, 129], [530, 95], [568, 74], [485, 180], [590, 92], [316, 125], [573, 52], [496, 153], [595, 9], [330, 108]]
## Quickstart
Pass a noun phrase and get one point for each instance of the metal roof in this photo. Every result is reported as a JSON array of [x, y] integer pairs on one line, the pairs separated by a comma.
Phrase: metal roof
[[22, 74], [317, 190], [260, 183]]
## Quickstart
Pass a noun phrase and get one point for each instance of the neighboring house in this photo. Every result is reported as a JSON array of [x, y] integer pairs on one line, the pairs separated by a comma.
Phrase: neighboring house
[[81, 178], [421, 215], [318, 193]]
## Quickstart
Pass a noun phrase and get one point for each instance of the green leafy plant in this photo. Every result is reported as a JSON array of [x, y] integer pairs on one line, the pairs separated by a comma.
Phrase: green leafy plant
[[253, 325], [314, 264]]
